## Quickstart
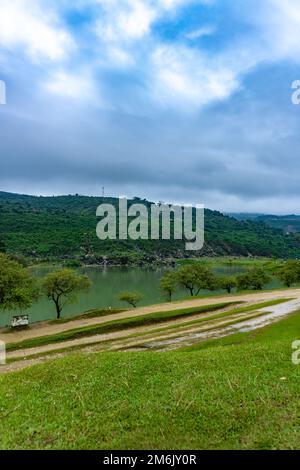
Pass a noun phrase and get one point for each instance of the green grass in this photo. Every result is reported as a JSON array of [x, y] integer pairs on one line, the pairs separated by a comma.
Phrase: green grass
[[239, 395], [233, 261], [114, 325], [94, 313]]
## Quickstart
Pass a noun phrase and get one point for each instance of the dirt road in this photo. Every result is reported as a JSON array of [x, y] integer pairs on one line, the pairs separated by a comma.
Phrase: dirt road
[[105, 337], [171, 335], [47, 328]]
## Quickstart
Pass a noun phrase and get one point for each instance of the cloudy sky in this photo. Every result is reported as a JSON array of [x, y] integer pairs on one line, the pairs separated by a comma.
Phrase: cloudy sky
[[174, 100]]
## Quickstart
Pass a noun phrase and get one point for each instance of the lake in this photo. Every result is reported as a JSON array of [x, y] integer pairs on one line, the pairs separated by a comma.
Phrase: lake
[[107, 283]]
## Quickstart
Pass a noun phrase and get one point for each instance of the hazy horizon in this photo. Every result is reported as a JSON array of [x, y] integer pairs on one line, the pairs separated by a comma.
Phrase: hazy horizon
[[114, 196]]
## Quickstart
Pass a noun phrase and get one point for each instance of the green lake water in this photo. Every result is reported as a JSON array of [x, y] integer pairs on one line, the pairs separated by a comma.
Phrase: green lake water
[[107, 283]]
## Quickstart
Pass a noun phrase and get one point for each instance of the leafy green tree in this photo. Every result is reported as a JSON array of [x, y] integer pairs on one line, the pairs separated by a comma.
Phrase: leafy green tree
[[253, 279], [18, 289], [63, 286], [132, 298], [196, 276], [289, 273], [168, 283], [227, 283]]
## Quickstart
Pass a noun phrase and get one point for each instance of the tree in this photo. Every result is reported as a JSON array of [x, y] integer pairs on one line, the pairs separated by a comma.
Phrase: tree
[[289, 273], [195, 277], [63, 286], [254, 279], [132, 298], [18, 289], [168, 283], [227, 283]]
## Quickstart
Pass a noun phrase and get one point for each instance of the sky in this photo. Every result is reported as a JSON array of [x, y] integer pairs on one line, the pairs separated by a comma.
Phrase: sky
[[175, 100]]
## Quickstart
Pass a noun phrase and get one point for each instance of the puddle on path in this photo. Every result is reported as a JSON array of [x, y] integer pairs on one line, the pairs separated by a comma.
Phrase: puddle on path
[[272, 314]]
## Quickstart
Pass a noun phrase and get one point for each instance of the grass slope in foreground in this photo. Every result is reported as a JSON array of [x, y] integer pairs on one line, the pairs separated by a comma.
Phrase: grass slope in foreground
[[242, 394]]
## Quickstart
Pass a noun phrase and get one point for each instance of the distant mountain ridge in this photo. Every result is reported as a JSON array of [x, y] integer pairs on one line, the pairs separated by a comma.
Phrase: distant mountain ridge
[[286, 223], [64, 227]]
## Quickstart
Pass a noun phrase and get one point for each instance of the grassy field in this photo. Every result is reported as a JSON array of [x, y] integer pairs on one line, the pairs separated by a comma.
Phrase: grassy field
[[241, 392], [233, 261], [94, 313]]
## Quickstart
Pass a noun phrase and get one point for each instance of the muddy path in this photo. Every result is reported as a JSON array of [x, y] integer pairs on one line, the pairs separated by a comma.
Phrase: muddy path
[[48, 328], [173, 334], [106, 337], [269, 315]]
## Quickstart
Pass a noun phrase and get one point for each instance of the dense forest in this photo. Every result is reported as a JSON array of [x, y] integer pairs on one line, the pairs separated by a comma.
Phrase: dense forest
[[64, 227]]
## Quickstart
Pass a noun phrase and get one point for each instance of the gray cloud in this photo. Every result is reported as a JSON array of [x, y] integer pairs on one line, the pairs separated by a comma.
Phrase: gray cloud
[[214, 158], [240, 154]]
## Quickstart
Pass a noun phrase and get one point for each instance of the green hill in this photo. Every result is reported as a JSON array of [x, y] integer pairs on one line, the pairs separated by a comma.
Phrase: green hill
[[286, 223], [48, 228]]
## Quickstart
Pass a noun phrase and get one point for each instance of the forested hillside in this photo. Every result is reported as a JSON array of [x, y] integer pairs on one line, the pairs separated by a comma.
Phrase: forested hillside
[[286, 223], [65, 227]]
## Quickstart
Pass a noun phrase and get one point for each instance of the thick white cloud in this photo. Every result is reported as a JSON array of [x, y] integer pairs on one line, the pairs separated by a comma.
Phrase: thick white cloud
[[178, 74], [127, 20], [173, 73], [23, 23], [187, 78]]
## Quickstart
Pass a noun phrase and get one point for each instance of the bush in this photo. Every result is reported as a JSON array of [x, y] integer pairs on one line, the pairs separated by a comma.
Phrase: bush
[[132, 298]]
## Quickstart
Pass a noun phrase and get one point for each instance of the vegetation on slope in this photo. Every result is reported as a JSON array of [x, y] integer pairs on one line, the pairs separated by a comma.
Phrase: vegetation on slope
[[286, 223], [65, 227]]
